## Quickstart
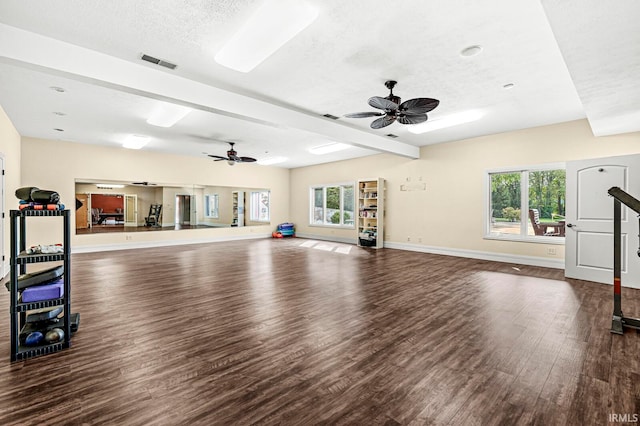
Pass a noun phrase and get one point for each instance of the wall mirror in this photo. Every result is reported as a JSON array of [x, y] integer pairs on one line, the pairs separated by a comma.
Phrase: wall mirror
[[116, 206]]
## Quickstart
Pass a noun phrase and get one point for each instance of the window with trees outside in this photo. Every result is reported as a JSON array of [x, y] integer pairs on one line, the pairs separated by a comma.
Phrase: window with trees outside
[[527, 204], [333, 205], [211, 206], [259, 206]]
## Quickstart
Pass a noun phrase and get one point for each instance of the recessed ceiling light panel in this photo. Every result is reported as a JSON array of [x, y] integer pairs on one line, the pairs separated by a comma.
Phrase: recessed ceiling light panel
[[166, 114], [270, 27], [135, 141], [109, 185]]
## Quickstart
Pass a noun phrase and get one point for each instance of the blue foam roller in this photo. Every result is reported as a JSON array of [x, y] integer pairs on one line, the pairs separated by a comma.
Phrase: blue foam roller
[[34, 338]]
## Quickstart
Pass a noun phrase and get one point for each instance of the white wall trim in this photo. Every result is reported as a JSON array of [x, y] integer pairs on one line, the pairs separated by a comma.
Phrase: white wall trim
[[482, 255], [328, 238], [164, 243], [471, 254]]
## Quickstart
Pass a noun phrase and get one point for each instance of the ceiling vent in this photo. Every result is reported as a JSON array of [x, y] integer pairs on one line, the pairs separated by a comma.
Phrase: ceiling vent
[[158, 62], [391, 135], [333, 117]]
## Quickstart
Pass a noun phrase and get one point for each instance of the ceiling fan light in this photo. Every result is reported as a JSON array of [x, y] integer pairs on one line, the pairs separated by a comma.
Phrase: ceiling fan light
[[135, 141], [231, 162], [447, 121], [270, 27], [328, 148], [166, 114]]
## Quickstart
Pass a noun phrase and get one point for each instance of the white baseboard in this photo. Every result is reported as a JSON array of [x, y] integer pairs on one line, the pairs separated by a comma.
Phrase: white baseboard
[[164, 243], [328, 238], [473, 254]]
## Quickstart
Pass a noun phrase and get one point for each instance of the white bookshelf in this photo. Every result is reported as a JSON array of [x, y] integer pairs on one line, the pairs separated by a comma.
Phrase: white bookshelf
[[371, 212], [238, 208]]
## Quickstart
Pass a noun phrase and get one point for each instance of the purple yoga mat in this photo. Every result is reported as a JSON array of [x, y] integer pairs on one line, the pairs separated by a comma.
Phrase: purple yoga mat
[[39, 293]]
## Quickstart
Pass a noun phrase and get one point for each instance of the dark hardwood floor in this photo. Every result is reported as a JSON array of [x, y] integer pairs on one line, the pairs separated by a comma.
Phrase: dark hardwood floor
[[269, 332]]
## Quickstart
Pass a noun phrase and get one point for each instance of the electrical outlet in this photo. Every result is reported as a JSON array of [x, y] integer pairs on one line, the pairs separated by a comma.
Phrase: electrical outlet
[[551, 251], [419, 239], [128, 237], [408, 238]]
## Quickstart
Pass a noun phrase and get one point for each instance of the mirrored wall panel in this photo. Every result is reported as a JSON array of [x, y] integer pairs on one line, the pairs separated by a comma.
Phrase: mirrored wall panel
[[115, 206]]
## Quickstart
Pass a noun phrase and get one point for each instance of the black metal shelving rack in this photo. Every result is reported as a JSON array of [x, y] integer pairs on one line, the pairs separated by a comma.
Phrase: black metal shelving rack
[[19, 260]]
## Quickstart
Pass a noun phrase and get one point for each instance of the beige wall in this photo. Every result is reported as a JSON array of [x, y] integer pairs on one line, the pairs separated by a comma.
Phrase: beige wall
[[10, 150], [449, 214], [55, 165]]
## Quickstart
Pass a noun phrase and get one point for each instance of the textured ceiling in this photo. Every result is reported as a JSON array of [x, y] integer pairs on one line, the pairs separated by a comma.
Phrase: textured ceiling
[[92, 49]]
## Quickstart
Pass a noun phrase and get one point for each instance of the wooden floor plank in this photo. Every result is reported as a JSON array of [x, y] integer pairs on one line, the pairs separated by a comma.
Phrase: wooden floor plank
[[270, 332]]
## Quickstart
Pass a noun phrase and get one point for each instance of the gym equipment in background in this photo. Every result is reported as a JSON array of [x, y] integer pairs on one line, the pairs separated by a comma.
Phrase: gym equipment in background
[[619, 321], [153, 219]]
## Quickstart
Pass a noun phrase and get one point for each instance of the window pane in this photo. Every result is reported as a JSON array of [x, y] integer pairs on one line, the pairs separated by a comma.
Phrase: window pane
[[505, 203], [318, 207], [211, 205], [546, 203], [215, 211], [333, 205], [264, 206], [348, 203]]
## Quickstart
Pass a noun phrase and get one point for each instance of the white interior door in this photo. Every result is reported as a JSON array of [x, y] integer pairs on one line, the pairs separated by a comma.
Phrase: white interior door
[[589, 218], [4, 265], [130, 210]]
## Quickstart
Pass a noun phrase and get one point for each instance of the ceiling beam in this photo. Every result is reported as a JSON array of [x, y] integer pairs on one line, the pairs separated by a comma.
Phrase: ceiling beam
[[56, 57]]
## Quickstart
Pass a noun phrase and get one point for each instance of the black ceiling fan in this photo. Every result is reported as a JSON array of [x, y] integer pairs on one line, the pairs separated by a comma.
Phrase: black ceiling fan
[[413, 111], [143, 183], [232, 157]]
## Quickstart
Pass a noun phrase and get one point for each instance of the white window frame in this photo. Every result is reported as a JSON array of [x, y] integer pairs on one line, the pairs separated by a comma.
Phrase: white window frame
[[254, 206], [524, 201], [212, 206], [324, 187]]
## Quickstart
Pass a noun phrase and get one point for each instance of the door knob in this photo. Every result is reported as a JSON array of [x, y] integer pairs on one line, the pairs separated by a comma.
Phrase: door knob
[[570, 225]]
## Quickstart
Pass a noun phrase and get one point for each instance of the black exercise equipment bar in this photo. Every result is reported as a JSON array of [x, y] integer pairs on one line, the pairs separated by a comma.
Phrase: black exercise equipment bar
[[620, 321]]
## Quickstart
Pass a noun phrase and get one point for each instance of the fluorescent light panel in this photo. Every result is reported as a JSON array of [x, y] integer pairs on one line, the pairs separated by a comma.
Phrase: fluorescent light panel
[[326, 149], [166, 114], [270, 27], [135, 141], [109, 185], [448, 121]]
